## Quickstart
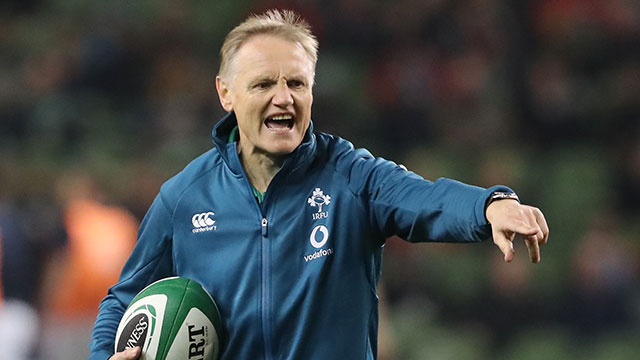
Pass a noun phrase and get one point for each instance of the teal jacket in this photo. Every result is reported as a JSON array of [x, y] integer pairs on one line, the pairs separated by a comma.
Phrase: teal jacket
[[295, 276]]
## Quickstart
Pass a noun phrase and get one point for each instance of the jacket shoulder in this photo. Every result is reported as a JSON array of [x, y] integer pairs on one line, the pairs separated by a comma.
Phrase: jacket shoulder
[[173, 189], [358, 166], [339, 151]]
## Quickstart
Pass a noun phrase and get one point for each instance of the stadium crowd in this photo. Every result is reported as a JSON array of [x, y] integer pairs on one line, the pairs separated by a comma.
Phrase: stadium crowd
[[100, 102]]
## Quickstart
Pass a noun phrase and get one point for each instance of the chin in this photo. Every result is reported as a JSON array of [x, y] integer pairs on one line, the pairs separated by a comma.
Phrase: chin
[[281, 149]]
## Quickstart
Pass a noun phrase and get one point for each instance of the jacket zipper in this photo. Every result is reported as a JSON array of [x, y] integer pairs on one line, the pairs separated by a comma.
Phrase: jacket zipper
[[266, 290], [265, 270]]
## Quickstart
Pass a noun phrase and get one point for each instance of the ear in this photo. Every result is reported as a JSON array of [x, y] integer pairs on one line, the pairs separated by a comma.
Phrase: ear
[[224, 94]]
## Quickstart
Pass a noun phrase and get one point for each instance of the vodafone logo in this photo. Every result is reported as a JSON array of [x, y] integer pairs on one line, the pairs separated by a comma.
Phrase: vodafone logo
[[203, 222], [318, 238], [324, 236]]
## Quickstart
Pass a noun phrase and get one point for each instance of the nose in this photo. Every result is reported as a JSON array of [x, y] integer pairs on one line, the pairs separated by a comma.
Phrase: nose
[[283, 96]]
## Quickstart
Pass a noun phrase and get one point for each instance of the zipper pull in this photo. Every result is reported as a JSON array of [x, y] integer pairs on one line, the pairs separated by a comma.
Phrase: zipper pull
[[264, 226]]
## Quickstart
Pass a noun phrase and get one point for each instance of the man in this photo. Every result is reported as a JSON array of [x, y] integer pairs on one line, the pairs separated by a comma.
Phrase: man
[[296, 219]]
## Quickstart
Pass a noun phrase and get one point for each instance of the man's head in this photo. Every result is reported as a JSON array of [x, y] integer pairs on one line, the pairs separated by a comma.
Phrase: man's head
[[283, 24], [266, 77]]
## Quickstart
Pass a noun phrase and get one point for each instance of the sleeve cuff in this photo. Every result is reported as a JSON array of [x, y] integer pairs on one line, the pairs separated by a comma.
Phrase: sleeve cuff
[[481, 205]]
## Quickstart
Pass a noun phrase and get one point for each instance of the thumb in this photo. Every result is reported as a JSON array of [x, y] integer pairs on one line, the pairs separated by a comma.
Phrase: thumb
[[128, 354], [132, 353], [505, 244]]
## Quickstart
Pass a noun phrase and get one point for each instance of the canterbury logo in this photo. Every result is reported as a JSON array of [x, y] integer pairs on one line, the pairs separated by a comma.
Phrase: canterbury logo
[[203, 222]]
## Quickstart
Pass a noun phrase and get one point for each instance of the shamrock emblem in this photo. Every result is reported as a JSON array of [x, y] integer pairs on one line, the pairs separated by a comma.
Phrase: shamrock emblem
[[318, 198]]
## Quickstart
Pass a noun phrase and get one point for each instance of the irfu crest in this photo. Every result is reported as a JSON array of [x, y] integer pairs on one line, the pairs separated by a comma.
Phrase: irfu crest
[[318, 199]]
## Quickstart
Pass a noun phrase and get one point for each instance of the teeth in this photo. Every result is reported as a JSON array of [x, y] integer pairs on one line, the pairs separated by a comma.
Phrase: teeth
[[281, 117]]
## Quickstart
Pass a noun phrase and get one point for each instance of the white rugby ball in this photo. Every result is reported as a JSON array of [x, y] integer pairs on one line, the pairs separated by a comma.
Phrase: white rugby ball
[[172, 319]]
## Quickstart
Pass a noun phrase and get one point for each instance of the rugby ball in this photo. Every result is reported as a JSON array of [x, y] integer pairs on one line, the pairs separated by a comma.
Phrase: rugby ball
[[171, 319]]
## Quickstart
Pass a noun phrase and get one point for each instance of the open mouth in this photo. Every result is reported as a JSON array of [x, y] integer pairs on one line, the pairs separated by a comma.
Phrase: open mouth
[[279, 122]]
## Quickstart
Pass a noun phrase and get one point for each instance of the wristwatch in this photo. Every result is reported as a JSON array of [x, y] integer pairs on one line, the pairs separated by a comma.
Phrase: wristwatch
[[502, 195]]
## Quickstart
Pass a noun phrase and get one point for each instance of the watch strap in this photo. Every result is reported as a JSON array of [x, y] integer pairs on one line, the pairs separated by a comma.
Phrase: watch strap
[[502, 195]]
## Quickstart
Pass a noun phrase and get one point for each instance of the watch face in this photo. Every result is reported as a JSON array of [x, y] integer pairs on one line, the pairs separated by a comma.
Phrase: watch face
[[504, 195]]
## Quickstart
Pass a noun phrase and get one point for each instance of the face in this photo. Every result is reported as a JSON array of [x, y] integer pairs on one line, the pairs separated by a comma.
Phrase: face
[[269, 89]]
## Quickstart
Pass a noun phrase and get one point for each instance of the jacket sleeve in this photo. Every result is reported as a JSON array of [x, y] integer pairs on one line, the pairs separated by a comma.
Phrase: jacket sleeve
[[150, 260], [402, 203]]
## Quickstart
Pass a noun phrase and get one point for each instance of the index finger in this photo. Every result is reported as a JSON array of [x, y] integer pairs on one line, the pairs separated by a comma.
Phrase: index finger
[[542, 222], [522, 225]]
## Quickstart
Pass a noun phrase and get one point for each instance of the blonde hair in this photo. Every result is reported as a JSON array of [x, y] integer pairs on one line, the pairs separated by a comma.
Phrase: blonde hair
[[285, 24]]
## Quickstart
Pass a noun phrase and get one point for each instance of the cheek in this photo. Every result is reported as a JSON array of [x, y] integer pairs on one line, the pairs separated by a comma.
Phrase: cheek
[[249, 106], [309, 103], [305, 102]]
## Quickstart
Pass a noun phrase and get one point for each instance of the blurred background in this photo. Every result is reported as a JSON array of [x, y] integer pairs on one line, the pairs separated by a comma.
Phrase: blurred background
[[102, 101]]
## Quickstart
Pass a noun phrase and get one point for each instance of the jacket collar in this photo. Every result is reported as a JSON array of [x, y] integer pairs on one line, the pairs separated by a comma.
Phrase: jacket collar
[[300, 157]]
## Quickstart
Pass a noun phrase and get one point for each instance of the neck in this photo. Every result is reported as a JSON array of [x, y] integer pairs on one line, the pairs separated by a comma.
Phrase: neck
[[259, 167]]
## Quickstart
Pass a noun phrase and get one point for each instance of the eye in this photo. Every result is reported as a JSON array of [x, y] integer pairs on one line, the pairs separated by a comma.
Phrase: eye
[[295, 84], [262, 85]]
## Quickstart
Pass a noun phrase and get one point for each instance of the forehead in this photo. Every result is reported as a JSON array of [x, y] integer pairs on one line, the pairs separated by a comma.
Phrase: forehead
[[266, 54]]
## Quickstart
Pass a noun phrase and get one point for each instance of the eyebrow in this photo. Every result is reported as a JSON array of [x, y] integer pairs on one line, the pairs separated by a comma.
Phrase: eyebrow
[[261, 79], [273, 79]]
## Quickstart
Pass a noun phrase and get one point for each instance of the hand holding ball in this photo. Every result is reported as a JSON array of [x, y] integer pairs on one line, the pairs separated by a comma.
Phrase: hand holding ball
[[171, 319]]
